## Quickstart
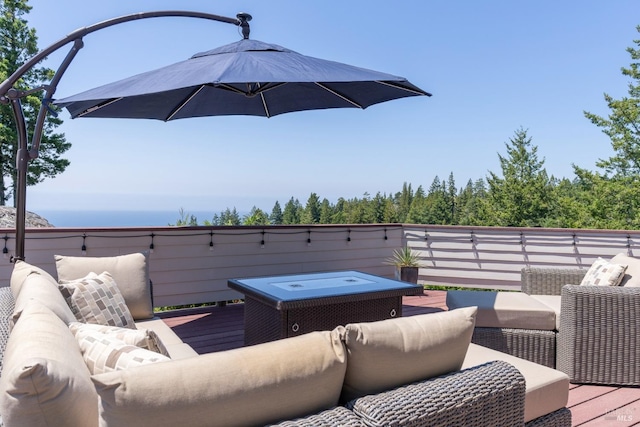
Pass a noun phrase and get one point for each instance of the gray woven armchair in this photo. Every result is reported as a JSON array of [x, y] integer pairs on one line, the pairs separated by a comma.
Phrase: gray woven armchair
[[599, 335]]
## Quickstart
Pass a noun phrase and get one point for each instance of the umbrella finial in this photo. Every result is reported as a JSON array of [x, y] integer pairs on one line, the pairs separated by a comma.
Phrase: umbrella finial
[[244, 19]]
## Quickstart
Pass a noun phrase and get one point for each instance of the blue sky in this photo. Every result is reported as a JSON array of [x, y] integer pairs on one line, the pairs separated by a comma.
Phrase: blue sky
[[492, 66]]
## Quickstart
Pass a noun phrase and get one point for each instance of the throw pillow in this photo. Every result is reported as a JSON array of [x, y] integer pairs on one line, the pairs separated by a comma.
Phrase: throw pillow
[[97, 299], [604, 273], [143, 338], [389, 353], [632, 273], [105, 353], [131, 273]]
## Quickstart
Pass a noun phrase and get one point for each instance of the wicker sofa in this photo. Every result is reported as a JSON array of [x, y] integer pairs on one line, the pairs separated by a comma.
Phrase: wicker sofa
[[376, 374], [598, 341]]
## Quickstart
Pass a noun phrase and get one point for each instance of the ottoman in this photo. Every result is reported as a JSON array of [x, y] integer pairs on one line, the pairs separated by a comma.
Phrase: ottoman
[[511, 322]]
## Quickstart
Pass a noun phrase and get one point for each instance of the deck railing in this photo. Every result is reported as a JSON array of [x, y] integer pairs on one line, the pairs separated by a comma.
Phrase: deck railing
[[192, 264]]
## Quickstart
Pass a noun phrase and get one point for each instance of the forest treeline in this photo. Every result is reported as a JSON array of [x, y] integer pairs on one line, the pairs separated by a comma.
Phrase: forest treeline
[[521, 194]]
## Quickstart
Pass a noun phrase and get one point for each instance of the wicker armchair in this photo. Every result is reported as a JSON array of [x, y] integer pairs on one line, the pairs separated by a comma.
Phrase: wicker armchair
[[599, 336]]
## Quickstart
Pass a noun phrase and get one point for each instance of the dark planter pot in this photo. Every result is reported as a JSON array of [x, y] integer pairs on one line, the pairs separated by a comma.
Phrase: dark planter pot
[[407, 274]]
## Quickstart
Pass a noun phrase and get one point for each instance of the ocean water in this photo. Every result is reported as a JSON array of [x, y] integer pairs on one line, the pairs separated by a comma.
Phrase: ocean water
[[68, 218]]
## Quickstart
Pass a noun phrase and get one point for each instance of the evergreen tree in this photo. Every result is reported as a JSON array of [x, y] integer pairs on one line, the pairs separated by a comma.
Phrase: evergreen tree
[[19, 43], [276, 214], [256, 217], [311, 212], [229, 217], [520, 198], [326, 212], [292, 211], [404, 201]]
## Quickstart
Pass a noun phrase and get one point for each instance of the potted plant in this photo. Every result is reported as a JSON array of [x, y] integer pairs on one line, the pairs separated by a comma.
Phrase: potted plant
[[407, 263]]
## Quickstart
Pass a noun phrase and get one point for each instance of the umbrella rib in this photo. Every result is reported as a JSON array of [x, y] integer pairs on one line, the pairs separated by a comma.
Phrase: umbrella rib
[[264, 105], [99, 106], [339, 95], [397, 86], [183, 103]]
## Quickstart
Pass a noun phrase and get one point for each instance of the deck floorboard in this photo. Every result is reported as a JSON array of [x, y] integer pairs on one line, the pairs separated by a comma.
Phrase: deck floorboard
[[212, 329]]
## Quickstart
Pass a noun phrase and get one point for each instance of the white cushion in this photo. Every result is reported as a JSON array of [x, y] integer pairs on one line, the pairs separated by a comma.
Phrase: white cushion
[[143, 338], [106, 353], [554, 302], [547, 390], [515, 310], [389, 353], [44, 380], [604, 273], [130, 272], [631, 277]]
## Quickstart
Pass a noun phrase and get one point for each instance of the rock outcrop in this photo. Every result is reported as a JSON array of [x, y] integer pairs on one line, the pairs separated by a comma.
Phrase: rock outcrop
[[8, 219]]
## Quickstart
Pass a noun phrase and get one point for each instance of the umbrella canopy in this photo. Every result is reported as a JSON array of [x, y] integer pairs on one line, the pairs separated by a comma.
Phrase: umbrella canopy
[[247, 77]]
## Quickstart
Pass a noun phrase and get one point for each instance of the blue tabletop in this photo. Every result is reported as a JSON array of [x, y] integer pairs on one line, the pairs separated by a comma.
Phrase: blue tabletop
[[319, 285]]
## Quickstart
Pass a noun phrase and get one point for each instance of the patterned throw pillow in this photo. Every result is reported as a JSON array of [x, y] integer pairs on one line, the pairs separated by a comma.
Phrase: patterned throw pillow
[[143, 338], [106, 353], [97, 299], [604, 273]]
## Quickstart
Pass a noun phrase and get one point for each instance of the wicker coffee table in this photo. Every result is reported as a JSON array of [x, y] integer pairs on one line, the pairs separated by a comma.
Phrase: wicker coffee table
[[279, 307]]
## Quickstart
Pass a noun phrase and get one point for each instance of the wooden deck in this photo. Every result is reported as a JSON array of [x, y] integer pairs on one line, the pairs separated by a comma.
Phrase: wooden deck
[[214, 329]]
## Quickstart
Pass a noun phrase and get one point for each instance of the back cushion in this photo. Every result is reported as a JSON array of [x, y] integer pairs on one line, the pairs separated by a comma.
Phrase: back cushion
[[130, 272], [389, 353], [249, 386], [21, 270], [632, 274], [43, 289], [45, 381]]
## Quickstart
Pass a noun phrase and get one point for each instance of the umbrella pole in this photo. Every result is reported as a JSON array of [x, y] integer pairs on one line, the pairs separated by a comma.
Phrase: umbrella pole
[[22, 164]]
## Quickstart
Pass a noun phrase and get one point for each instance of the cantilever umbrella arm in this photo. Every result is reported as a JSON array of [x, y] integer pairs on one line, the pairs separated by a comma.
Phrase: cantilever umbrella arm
[[11, 95]]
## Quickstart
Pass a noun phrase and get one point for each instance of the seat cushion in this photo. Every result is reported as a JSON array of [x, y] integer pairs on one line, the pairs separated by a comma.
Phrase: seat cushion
[[553, 302], [45, 381], [389, 353], [130, 272], [254, 385], [515, 310], [632, 273], [547, 389]]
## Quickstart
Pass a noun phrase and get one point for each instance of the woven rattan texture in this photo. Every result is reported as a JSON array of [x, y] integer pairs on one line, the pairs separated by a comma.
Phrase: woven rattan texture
[[487, 395], [559, 418], [549, 281], [265, 323], [338, 416], [530, 344], [599, 338], [7, 304]]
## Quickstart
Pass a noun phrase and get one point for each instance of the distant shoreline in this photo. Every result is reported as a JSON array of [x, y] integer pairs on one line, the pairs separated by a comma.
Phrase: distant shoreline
[[119, 218]]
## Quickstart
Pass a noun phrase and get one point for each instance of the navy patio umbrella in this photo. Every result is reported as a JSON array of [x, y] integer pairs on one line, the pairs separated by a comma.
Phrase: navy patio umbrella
[[247, 77]]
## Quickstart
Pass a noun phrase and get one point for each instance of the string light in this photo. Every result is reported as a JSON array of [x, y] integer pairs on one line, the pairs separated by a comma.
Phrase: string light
[[348, 236], [211, 241], [152, 246], [262, 241], [83, 249], [5, 250], [385, 234], [308, 237]]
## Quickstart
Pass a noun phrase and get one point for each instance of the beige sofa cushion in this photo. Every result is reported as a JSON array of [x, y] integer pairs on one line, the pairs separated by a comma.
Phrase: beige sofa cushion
[[130, 272], [554, 302], [389, 353], [97, 299], [253, 385], [604, 273], [547, 389], [176, 349], [632, 273], [21, 270], [505, 309], [44, 379], [43, 289]]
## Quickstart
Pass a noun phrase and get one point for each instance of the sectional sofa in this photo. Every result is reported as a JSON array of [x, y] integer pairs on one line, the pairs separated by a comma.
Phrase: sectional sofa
[[411, 371]]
